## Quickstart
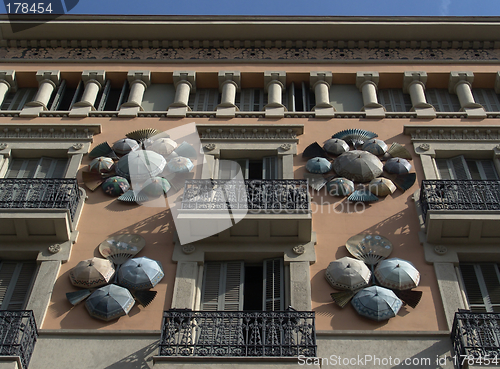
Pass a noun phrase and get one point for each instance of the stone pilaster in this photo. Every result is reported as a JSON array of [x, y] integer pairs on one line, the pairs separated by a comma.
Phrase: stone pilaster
[[321, 82], [275, 83], [138, 80], [185, 84], [367, 83], [48, 81], [94, 82], [414, 84], [461, 84], [229, 84]]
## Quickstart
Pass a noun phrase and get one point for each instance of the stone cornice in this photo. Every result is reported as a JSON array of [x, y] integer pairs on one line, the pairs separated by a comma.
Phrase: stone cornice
[[250, 132], [48, 132], [452, 133]]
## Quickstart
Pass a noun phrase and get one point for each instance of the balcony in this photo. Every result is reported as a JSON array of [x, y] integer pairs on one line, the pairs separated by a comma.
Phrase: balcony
[[262, 210], [42, 209], [186, 333], [461, 211], [18, 335], [475, 338]]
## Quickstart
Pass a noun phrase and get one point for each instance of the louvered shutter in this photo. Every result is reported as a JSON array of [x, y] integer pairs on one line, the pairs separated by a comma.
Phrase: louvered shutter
[[459, 168], [270, 167], [223, 286], [212, 100], [442, 100], [123, 95], [487, 98], [292, 106], [443, 169], [245, 100], [104, 96], [488, 170], [16, 279], [482, 286], [37, 168], [472, 288], [58, 96], [273, 285]]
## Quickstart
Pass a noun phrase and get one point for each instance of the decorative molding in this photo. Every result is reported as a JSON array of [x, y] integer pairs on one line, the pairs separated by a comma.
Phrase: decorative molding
[[175, 55], [49, 132], [3, 146], [299, 249], [250, 132], [453, 133], [440, 250], [188, 249], [210, 146], [424, 147], [78, 146], [286, 146], [55, 248]]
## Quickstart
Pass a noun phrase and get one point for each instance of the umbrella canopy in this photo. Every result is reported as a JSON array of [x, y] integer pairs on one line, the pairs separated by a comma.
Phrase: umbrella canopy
[[318, 165], [375, 147], [162, 146], [140, 273], [381, 186], [92, 273], [180, 164], [336, 146], [397, 166], [115, 186], [109, 302], [358, 166], [348, 274], [340, 187], [101, 164], [125, 145], [155, 187], [141, 165], [397, 274], [377, 303]]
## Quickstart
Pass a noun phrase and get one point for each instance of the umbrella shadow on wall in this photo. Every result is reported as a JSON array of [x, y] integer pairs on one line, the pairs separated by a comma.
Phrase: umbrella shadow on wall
[[140, 359]]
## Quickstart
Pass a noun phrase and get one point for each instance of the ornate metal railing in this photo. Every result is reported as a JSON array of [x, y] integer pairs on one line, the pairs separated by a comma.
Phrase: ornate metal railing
[[476, 338], [35, 193], [274, 195], [18, 334], [459, 195], [238, 333]]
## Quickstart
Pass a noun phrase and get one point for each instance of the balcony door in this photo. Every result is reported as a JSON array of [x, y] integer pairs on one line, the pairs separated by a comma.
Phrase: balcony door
[[37, 168], [462, 168], [265, 168], [238, 286]]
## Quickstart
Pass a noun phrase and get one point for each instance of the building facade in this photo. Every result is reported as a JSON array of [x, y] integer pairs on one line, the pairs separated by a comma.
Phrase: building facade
[[259, 91]]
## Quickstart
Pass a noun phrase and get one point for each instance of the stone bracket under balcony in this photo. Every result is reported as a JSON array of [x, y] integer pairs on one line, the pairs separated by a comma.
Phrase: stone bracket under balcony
[[461, 211]]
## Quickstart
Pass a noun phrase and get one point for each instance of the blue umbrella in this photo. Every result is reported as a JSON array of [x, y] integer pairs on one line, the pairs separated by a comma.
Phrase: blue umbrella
[[377, 303], [397, 166], [140, 273], [109, 302], [318, 165]]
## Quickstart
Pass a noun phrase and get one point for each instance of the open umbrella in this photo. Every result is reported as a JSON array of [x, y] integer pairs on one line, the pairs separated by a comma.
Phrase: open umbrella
[[375, 146], [92, 273], [336, 146], [381, 186], [397, 274], [109, 302], [125, 145], [155, 187], [180, 164], [140, 273], [318, 165], [101, 164], [340, 187], [115, 186], [377, 303], [162, 146], [358, 166], [348, 274], [397, 166], [140, 165]]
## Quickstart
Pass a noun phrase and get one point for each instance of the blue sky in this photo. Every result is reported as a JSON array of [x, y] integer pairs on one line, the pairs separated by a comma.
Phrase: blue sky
[[286, 7]]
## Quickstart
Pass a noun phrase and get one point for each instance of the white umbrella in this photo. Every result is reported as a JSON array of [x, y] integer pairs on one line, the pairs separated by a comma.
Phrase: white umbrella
[[141, 165], [397, 274], [348, 274]]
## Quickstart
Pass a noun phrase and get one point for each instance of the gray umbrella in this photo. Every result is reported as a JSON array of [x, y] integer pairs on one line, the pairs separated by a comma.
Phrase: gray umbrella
[[140, 273], [336, 146], [109, 302], [358, 166], [374, 146], [397, 166], [140, 165], [377, 303]]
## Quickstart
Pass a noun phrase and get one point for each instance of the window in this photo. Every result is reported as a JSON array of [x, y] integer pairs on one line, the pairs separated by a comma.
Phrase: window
[[205, 99], [487, 98], [461, 168], [237, 286], [16, 278], [265, 168], [300, 98], [482, 286], [111, 98], [442, 100], [37, 168], [16, 100], [251, 99], [65, 97], [394, 100]]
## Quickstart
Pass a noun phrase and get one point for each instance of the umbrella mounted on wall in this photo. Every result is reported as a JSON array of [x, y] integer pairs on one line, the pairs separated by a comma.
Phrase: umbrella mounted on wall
[[120, 248], [377, 303]]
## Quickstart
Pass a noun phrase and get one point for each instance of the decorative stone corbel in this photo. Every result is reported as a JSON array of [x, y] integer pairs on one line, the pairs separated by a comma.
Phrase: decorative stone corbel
[[94, 82], [461, 84], [275, 83], [367, 84], [414, 84], [48, 81], [229, 84], [321, 83], [185, 84], [139, 80]]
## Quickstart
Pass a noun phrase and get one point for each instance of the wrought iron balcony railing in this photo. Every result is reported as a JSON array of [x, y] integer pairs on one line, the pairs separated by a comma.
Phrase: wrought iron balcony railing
[[36, 193], [18, 334], [459, 195], [476, 338], [274, 195], [238, 333]]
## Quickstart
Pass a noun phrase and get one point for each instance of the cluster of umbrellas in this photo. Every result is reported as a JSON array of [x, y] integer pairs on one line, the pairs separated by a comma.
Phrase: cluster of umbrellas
[[395, 278], [362, 164], [110, 290], [148, 158]]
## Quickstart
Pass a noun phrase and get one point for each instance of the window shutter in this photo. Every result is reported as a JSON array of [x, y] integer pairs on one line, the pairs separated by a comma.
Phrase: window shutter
[[292, 106], [442, 100], [384, 99], [51, 168], [104, 96], [305, 97], [228, 169], [223, 286], [56, 101], [123, 95], [459, 168], [211, 286], [233, 291], [273, 285], [443, 169], [245, 100], [270, 167], [472, 287], [212, 100], [15, 283], [488, 170], [490, 277], [487, 98]]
